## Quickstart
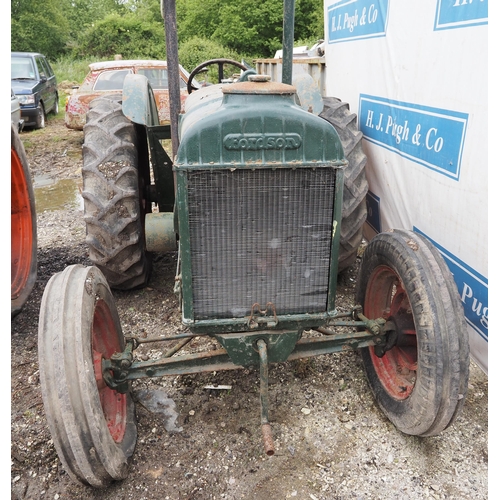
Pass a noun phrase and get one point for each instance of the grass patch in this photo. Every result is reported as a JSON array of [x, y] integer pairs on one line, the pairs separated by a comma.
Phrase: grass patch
[[71, 70]]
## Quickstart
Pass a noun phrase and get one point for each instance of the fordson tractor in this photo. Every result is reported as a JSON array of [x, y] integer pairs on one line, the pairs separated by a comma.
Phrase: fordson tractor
[[264, 202]]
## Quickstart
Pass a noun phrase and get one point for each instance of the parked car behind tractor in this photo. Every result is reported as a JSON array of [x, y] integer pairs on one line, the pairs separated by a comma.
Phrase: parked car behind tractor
[[35, 85], [15, 112], [105, 78], [254, 202]]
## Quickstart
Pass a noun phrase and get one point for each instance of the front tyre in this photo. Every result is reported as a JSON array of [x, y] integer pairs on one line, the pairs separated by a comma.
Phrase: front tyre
[[92, 426], [420, 379], [115, 179]]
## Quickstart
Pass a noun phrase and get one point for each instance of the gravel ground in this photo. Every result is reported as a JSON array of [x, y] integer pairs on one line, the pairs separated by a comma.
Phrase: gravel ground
[[332, 441]]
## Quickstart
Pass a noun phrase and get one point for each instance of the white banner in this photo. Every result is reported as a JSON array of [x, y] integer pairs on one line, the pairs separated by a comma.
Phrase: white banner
[[416, 75]]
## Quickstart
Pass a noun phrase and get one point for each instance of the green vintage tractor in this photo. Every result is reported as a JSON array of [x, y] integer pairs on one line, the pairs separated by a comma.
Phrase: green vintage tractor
[[264, 203]]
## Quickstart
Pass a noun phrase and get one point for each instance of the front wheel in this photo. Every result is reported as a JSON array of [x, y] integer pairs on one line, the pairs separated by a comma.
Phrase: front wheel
[[420, 377], [92, 426]]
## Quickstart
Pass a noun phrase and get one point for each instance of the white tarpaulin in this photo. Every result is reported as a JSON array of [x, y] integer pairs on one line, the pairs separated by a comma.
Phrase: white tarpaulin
[[416, 74]]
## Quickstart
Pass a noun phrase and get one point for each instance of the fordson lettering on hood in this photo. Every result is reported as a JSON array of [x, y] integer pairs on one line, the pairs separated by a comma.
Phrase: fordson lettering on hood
[[255, 142]]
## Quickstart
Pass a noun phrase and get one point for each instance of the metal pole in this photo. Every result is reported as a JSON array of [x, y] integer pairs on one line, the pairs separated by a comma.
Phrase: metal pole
[[174, 91], [264, 398], [288, 33]]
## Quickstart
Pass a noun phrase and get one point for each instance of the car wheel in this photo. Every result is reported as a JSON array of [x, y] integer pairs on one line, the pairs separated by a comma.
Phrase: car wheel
[[40, 119], [55, 109]]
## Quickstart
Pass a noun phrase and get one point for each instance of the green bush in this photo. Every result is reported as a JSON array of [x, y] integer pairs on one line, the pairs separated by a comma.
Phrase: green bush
[[38, 27], [126, 35], [198, 49]]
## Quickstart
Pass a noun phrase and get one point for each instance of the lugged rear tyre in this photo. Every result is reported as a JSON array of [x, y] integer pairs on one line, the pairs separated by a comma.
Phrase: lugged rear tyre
[[115, 177], [354, 210], [420, 380]]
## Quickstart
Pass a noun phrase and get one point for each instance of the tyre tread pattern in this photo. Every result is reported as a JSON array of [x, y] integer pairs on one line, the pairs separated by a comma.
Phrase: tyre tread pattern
[[69, 391], [112, 211], [354, 209], [442, 337]]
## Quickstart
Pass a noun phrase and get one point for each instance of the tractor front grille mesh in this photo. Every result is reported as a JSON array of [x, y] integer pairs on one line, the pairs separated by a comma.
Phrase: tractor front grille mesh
[[260, 236]]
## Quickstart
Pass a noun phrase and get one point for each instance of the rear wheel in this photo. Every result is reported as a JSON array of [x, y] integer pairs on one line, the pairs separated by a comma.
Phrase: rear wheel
[[115, 179], [23, 227], [420, 377], [354, 210], [92, 426]]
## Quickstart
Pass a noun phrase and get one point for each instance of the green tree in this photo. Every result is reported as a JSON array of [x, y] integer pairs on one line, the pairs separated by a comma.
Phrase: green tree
[[247, 26], [39, 26], [146, 10], [84, 13], [197, 50], [134, 28], [124, 34]]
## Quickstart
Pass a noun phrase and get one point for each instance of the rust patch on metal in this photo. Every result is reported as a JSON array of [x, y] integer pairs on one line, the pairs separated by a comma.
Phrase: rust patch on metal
[[267, 435], [258, 88], [78, 102], [270, 307]]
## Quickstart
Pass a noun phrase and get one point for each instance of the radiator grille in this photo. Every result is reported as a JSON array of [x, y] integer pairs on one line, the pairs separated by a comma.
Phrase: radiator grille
[[260, 236]]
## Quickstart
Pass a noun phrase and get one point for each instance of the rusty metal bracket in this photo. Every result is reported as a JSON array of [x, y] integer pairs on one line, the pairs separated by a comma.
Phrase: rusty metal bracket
[[374, 326], [254, 322], [243, 351], [116, 369]]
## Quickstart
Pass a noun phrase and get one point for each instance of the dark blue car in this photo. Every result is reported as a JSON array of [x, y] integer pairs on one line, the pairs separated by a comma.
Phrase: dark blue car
[[35, 85]]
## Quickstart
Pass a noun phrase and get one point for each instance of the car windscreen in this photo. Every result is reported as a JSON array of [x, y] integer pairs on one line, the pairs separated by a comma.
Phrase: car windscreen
[[22, 68], [158, 77], [111, 80]]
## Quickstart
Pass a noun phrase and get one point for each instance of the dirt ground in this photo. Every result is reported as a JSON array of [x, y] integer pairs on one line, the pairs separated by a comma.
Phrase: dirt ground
[[332, 441]]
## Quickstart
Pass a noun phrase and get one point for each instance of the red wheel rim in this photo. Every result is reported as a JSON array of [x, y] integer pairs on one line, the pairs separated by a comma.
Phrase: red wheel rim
[[386, 297], [105, 342], [21, 227]]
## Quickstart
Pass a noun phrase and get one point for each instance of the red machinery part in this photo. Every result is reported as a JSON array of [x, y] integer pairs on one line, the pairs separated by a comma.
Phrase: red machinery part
[[23, 227]]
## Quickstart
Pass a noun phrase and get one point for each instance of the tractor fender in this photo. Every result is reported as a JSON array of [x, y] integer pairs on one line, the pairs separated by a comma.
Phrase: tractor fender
[[308, 93], [139, 104]]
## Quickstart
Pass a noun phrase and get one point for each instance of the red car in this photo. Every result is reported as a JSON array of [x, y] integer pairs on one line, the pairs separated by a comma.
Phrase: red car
[[107, 78]]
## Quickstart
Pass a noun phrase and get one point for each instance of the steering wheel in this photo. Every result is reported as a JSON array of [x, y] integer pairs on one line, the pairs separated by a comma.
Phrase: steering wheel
[[220, 62]]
